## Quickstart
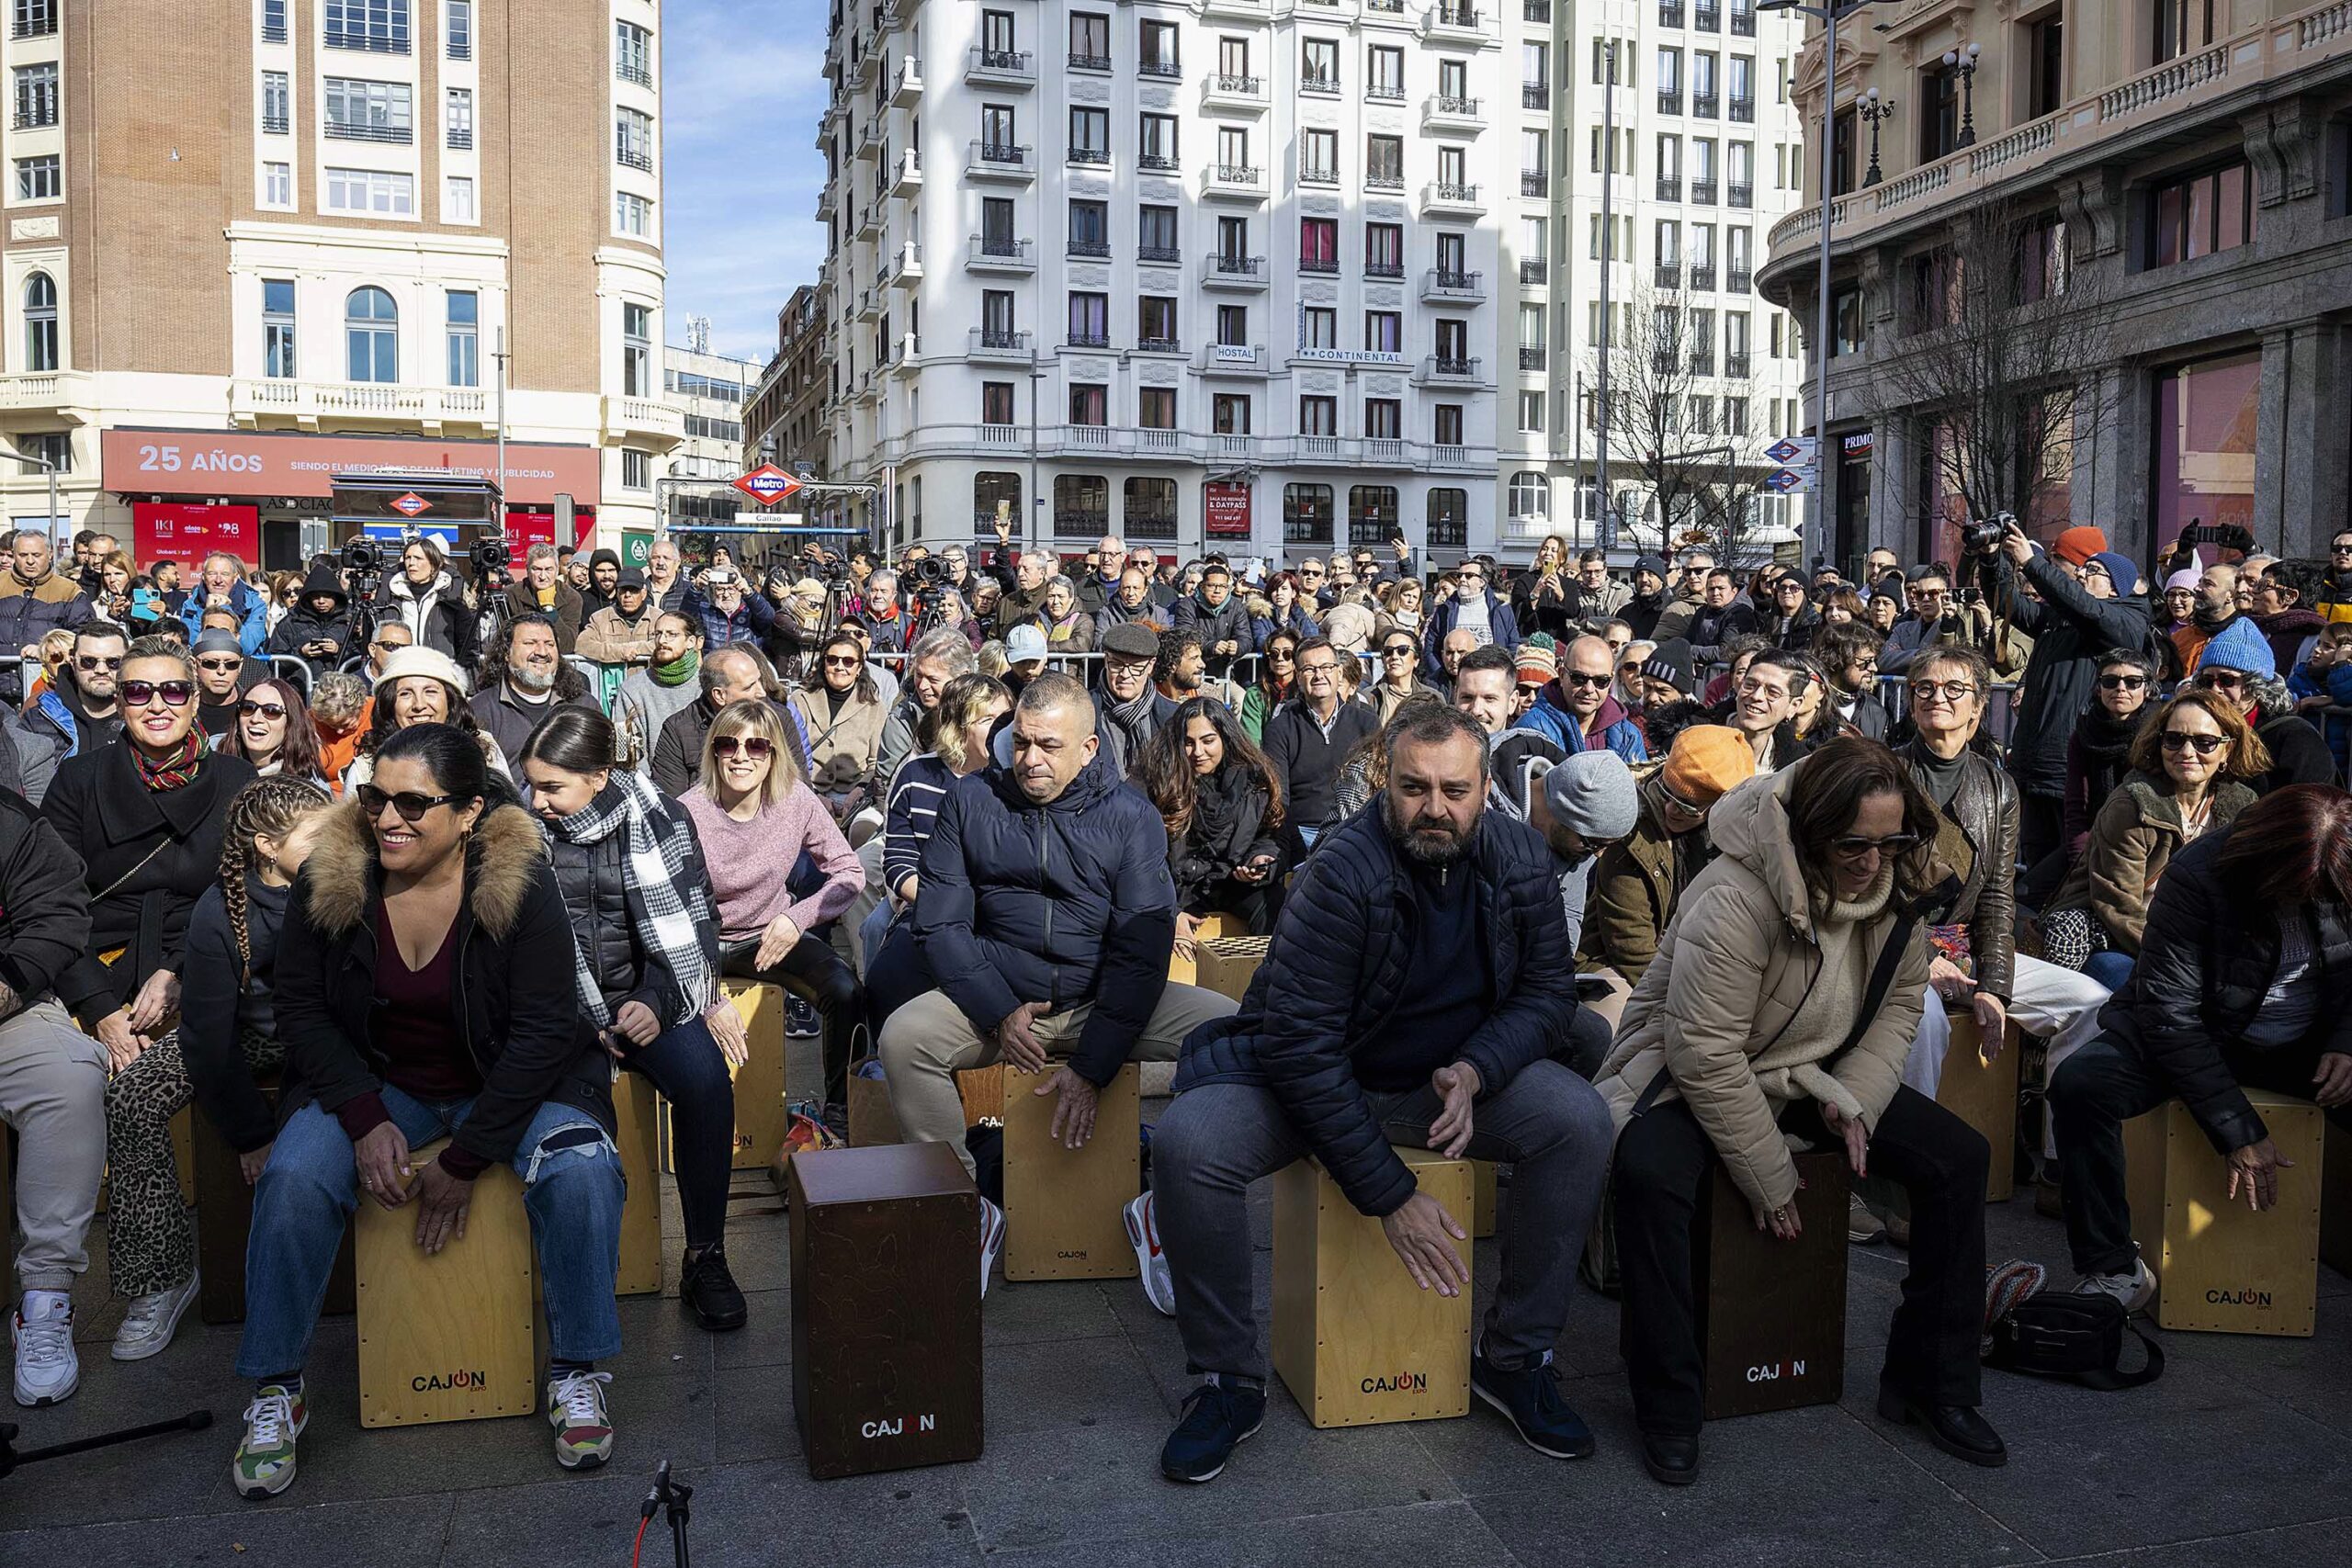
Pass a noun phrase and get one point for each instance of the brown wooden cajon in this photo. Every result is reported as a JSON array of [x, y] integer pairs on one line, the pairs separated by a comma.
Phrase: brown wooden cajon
[[447, 1336], [1355, 1341], [2336, 1202], [983, 1093], [759, 1083], [1986, 1096], [224, 1221], [1061, 1206], [1771, 1314], [2220, 1266], [886, 1308], [1226, 963], [1482, 1198], [633, 1136], [1185, 971]]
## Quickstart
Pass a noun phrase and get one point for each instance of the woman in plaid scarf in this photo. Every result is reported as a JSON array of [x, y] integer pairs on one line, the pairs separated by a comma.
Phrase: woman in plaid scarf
[[645, 929]]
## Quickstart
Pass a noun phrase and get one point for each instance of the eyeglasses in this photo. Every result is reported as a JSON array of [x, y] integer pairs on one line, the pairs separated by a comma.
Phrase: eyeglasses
[[176, 693], [92, 662], [834, 663], [1868, 661], [1679, 804], [1582, 678], [2182, 741], [248, 708], [220, 666], [386, 647], [1318, 669], [1949, 691], [759, 748], [411, 803], [2121, 683], [1854, 846]]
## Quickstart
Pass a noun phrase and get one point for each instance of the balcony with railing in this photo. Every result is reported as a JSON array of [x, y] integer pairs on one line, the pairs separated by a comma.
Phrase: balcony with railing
[[1314, 173], [1739, 280], [1740, 193], [1380, 266], [1736, 362], [1086, 62], [271, 33], [999, 68], [907, 270], [1160, 255], [1743, 19], [1534, 182], [1088, 248], [1449, 369], [1321, 87], [1082, 336], [906, 181], [1702, 362], [359, 39], [1440, 284], [1439, 196], [1534, 270], [1703, 192], [1096, 156], [1743, 110], [1447, 112], [1243, 181], [365, 130], [1669, 275], [1004, 161], [1385, 179], [271, 125], [999, 253], [1670, 100], [309, 404], [1706, 16], [1670, 13], [1319, 266], [1703, 276], [1705, 105], [995, 343], [1221, 270], [1456, 21], [1161, 70], [1669, 188], [461, 138], [1533, 357], [906, 87], [1245, 95], [1168, 344], [1381, 92], [1534, 96], [906, 355], [634, 71]]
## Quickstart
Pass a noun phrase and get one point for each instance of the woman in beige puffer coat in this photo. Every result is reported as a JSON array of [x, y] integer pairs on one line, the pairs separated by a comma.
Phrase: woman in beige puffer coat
[[1747, 1032]]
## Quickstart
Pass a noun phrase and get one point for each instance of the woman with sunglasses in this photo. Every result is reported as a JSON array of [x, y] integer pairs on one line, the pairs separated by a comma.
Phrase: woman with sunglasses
[[1783, 1000], [781, 871], [2238, 665], [419, 686], [274, 732], [646, 926], [1401, 681], [145, 814], [2193, 767], [1277, 679], [1223, 805], [2098, 758], [842, 712], [426, 990]]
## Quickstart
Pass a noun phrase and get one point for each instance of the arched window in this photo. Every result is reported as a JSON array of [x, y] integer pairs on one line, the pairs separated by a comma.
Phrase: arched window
[[1530, 494], [371, 334], [40, 322]]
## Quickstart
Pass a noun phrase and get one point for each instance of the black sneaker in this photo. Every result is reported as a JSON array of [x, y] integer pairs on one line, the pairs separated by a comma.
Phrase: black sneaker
[[709, 1292], [1217, 1419], [1529, 1399]]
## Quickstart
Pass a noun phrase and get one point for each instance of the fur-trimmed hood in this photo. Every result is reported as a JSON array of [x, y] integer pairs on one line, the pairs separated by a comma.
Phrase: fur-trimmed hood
[[502, 859]]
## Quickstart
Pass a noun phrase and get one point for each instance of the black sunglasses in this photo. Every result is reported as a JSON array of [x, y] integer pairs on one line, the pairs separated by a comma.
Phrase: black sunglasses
[[90, 661], [2181, 740], [248, 708], [176, 693], [1578, 677], [2121, 683], [411, 803]]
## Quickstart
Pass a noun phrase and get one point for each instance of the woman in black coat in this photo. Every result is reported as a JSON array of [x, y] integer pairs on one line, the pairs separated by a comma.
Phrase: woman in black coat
[[1223, 805], [145, 814]]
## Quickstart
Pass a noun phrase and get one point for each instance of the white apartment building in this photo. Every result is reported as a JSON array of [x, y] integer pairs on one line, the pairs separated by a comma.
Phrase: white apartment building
[[1249, 274], [709, 391]]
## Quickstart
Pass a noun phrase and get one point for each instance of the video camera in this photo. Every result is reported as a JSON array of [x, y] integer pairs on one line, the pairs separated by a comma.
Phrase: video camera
[[1981, 536]]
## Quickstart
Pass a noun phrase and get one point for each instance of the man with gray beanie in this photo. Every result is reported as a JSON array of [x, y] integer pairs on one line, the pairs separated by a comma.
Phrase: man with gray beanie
[[1582, 807]]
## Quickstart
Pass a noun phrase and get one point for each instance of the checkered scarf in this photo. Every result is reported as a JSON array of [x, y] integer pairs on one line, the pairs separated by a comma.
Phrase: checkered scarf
[[670, 900]]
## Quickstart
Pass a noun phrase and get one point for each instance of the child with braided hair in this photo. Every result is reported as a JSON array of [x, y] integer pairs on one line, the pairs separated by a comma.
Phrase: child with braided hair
[[226, 1039]]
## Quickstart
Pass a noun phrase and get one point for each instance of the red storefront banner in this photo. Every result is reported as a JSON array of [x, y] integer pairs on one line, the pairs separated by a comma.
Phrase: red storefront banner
[[246, 463], [184, 533], [1225, 508], [524, 529]]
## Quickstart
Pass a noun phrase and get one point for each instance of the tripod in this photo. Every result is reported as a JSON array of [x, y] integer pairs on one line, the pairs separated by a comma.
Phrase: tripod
[[669, 1496], [194, 1421]]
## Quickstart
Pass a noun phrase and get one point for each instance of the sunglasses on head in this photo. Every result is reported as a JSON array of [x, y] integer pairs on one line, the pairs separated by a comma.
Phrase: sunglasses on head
[[176, 693], [249, 707], [411, 803], [759, 748], [2182, 741]]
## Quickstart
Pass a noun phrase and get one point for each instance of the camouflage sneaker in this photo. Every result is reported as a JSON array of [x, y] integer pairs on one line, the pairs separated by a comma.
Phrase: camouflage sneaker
[[264, 1463], [584, 1438]]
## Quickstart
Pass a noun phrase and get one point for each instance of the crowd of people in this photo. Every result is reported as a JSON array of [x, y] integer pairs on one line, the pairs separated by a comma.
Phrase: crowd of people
[[1612, 879]]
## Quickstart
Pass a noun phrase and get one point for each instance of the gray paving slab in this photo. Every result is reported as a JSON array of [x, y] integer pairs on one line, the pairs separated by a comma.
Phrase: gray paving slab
[[1426, 1535], [392, 1532]]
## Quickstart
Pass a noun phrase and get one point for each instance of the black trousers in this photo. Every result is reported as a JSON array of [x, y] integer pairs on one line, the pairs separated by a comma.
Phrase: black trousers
[[2042, 827], [1663, 1158], [817, 974]]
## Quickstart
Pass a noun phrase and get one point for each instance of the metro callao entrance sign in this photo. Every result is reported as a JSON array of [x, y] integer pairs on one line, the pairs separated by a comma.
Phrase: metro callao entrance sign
[[767, 484]]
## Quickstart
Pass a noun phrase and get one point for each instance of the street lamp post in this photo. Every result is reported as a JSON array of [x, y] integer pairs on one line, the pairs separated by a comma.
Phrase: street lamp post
[[1876, 111], [1964, 61]]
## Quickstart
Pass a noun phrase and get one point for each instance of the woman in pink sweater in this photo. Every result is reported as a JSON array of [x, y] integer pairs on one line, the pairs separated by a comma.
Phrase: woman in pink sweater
[[781, 869]]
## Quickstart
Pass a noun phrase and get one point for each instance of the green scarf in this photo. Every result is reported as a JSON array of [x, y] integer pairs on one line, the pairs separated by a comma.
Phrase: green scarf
[[679, 673]]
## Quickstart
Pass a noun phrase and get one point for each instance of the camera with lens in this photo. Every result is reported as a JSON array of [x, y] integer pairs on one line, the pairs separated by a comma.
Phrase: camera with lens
[[832, 571], [362, 556], [1981, 536], [491, 555], [928, 571]]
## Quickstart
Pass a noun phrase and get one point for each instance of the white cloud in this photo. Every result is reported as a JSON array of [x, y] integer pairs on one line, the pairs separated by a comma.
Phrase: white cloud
[[742, 93]]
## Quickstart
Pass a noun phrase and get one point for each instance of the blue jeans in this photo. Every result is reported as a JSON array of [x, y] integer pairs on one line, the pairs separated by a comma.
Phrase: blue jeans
[[2110, 968], [572, 1191]]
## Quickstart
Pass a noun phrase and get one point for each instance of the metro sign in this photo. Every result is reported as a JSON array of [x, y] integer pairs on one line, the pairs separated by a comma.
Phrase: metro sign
[[1784, 480], [410, 505], [767, 484], [1786, 450]]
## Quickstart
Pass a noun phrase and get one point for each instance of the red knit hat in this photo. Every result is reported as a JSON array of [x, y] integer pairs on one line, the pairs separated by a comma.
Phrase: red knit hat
[[2077, 544]]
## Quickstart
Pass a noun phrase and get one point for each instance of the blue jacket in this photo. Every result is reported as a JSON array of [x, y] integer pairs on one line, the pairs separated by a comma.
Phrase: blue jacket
[[1501, 624], [750, 622], [1298, 622], [252, 610], [1064, 903], [1336, 969], [1551, 718], [2336, 682]]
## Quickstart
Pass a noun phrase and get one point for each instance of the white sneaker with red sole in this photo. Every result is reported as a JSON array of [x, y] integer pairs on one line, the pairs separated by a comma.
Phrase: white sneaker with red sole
[[1143, 1234]]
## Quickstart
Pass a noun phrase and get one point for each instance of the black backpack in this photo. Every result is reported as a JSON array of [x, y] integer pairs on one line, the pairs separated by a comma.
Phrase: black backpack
[[2059, 1334]]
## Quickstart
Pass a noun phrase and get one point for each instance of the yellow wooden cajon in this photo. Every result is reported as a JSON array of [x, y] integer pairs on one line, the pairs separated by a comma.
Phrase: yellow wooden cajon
[[1984, 1095], [759, 1082], [1062, 1206], [1356, 1341], [633, 1135], [1185, 971], [1226, 964], [1482, 1198], [2220, 1266], [447, 1336]]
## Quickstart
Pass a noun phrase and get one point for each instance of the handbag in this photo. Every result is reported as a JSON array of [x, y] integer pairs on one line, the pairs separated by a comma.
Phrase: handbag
[[2075, 1336]]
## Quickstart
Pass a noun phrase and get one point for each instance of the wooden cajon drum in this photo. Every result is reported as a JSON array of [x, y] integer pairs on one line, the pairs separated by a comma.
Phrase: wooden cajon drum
[[1355, 1341], [1482, 1198], [1771, 1314], [224, 1219], [1185, 971], [1226, 963], [450, 1337], [1061, 1206], [759, 1083], [1985, 1097], [633, 1135], [2336, 1202], [886, 1308], [982, 1089], [2220, 1266]]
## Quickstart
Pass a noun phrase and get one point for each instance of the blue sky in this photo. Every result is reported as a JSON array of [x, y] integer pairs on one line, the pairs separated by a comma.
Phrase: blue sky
[[740, 92]]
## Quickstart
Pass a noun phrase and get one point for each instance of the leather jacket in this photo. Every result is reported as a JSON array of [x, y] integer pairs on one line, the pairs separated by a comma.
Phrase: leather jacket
[[1978, 837]]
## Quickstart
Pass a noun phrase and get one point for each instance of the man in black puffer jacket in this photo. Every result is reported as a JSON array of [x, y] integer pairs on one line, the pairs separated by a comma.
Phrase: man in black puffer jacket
[[1419, 977], [1046, 918]]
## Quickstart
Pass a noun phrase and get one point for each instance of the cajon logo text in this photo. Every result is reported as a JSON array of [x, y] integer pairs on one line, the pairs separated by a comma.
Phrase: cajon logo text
[[438, 1382], [1072, 1255], [1774, 1370], [896, 1427], [2259, 1299], [1397, 1383]]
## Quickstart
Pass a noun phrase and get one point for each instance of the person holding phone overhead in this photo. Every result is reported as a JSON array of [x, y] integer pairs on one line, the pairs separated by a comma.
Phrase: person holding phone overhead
[[1223, 805]]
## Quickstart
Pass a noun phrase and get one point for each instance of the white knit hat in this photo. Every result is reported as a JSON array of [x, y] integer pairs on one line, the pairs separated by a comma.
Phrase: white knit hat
[[418, 659]]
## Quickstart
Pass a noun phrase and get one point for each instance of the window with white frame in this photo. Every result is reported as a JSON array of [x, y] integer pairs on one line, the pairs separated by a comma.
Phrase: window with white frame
[[369, 111], [1531, 413], [36, 94], [40, 322], [636, 350], [40, 179], [1530, 494], [632, 53], [276, 104], [465, 338], [377, 25], [632, 215], [459, 116], [377, 191], [637, 469], [460, 14], [372, 337], [277, 328], [277, 184], [457, 200], [633, 139]]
